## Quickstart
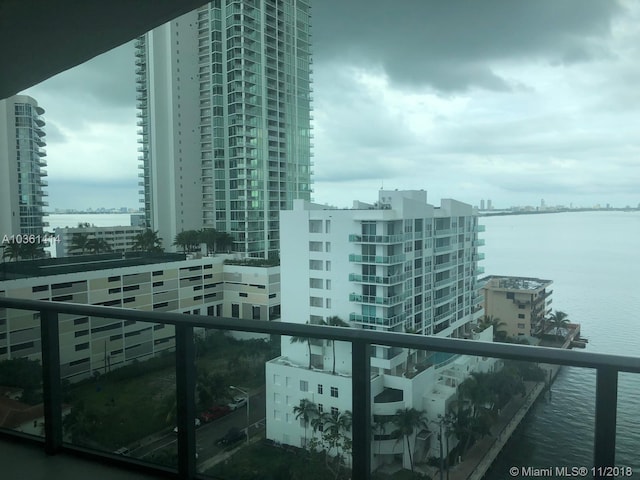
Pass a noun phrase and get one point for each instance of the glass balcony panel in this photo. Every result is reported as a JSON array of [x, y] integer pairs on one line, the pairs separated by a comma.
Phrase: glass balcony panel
[[231, 396], [118, 381], [21, 407]]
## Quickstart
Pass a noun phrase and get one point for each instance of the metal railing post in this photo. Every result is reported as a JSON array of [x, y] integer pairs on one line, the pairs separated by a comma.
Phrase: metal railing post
[[51, 388], [361, 409], [185, 401], [604, 451]]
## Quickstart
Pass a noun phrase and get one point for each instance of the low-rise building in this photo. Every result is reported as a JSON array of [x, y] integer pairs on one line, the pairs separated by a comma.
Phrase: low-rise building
[[118, 238], [166, 282], [520, 303]]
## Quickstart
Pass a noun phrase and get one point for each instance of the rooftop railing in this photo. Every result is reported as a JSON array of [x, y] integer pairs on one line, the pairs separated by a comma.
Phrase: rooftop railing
[[607, 369]]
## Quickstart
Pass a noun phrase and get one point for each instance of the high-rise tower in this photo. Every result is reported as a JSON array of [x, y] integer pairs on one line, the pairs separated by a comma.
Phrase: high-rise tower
[[224, 116], [22, 158]]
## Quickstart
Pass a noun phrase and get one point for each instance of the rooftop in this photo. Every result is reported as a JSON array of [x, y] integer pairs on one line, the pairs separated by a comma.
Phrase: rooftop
[[85, 263], [515, 283]]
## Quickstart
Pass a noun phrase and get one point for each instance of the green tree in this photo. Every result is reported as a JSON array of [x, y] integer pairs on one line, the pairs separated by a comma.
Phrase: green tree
[[148, 241], [212, 388], [307, 410], [188, 240], [559, 320], [407, 421], [79, 242], [79, 424], [11, 251], [31, 250], [487, 321], [97, 245]]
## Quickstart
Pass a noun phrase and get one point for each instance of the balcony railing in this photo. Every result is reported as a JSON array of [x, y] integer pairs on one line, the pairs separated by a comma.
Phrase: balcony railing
[[607, 368]]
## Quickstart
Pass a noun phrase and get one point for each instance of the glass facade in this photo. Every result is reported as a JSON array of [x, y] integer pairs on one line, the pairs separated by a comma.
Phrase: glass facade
[[253, 72]]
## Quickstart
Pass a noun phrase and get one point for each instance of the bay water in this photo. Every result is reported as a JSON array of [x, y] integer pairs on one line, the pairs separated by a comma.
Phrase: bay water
[[593, 258]]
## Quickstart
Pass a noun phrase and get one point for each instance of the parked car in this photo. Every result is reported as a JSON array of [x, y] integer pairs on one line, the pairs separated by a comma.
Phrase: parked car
[[234, 435], [214, 413], [196, 422], [238, 402]]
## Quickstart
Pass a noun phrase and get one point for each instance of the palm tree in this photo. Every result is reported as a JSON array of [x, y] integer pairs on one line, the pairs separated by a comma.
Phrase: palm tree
[[12, 251], [491, 321], [306, 410], [306, 340], [188, 240], [335, 321], [148, 241], [97, 245], [336, 426], [31, 250], [79, 242], [407, 421], [224, 241], [559, 320], [208, 236]]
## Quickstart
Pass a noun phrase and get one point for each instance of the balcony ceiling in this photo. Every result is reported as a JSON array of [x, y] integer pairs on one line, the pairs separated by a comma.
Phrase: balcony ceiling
[[40, 39]]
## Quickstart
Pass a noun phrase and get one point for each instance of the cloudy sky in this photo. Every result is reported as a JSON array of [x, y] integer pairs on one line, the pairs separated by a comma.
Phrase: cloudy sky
[[509, 100]]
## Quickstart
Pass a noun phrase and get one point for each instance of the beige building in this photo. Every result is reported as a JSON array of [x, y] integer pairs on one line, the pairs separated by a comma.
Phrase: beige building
[[520, 302], [169, 283]]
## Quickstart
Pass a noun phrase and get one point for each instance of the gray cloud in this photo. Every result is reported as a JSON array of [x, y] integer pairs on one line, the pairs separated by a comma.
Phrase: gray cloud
[[451, 45]]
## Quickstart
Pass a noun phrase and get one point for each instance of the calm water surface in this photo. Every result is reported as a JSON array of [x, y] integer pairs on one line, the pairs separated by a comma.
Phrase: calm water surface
[[593, 259]]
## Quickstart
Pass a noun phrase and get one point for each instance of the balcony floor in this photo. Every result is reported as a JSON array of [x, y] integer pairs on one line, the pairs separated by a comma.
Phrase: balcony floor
[[22, 460]]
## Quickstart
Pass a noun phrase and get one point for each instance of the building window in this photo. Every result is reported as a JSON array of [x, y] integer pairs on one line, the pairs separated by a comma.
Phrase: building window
[[255, 312], [327, 226], [315, 301], [328, 303], [235, 310], [334, 392], [276, 379], [315, 246], [328, 285], [320, 409], [327, 247], [320, 388], [521, 307], [315, 264], [510, 295], [328, 265], [334, 411], [521, 315], [521, 325], [315, 282], [304, 386], [315, 226]]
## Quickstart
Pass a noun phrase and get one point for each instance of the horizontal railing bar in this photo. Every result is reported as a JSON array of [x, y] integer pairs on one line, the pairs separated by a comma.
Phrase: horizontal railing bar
[[556, 356]]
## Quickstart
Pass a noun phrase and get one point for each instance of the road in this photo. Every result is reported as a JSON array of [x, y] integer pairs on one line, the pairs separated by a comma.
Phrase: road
[[209, 433]]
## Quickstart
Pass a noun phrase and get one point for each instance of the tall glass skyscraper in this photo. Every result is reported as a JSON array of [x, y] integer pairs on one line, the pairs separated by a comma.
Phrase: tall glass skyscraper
[[224, 103], [22, 172]]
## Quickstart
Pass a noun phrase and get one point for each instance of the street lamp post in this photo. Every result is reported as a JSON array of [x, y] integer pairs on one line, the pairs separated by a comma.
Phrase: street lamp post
[[246, 394]]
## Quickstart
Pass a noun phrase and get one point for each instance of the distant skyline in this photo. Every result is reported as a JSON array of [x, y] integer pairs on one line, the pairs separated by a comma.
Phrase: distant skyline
[[512, 101]]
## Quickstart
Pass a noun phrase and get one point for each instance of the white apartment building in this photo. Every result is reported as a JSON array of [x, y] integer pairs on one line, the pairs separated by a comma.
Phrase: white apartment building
[[119, 238], [224, 120], [22, 172], [399, 265], [167, 283]]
